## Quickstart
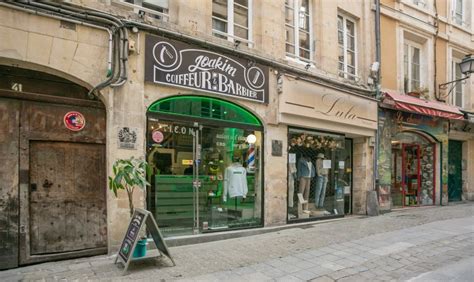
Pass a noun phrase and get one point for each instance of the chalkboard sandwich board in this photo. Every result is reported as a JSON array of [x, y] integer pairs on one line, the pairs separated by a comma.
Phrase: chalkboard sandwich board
[[139, 220]]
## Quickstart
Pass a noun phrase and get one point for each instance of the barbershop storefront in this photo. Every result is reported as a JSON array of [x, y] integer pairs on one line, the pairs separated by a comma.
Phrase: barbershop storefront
[[329, 148], [204, 145]]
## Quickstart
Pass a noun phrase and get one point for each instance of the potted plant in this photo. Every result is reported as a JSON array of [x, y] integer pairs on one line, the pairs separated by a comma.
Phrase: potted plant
[[127, 175]]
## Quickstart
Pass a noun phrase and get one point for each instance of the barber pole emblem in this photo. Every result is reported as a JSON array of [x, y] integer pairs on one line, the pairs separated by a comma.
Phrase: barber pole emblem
[[251, 159]]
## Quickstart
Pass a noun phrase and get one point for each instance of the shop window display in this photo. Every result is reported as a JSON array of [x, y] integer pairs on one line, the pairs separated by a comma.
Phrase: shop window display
[[319, 174], [207, 171]]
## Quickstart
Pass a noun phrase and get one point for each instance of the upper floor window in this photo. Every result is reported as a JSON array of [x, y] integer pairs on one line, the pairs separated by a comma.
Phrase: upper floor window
[[231, 20], [298, 29], [346, 37], [457, 95], [458, 12], [420, 3], [155, 8], [411, 67], [461, 12]]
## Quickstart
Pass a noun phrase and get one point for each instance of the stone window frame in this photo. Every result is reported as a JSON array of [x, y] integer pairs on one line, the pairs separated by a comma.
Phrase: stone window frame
[[160, 12], [461, 16], [459, 87], [344, 73], [409, 46], [295, 7], [230, 22]]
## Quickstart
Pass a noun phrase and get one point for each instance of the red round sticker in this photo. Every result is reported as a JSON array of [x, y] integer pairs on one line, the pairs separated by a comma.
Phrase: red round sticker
[[74, 121], [157, 136]]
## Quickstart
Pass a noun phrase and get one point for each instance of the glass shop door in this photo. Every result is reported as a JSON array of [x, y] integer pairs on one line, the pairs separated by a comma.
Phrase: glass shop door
[[175, 197], [189, 162]]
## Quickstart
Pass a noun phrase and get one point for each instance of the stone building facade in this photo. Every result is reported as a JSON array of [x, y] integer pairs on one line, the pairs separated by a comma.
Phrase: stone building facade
[[425, 127], [158, 80]]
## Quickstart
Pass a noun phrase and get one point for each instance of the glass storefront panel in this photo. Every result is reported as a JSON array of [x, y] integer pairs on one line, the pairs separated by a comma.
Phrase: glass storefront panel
[[319, 174], [205, 177]]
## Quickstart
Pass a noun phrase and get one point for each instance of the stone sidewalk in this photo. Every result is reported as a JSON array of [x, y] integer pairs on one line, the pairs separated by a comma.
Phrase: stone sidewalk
[[395, 246], [392, 256]]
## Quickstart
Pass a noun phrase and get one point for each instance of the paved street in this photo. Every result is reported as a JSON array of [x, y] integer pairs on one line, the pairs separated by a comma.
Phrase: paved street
[[421, 244]]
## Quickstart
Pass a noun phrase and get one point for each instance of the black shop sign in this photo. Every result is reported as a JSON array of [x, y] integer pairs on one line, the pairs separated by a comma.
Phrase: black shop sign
[[175, 63]]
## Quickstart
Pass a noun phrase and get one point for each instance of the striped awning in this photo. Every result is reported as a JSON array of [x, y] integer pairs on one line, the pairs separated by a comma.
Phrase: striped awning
[[419, 106]]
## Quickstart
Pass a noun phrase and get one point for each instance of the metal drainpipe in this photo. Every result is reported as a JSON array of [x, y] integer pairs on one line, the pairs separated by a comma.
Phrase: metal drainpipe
[[30, 10], [435, 77], [438, 98], [124, 58], [377, 96], [123, 49], [99, 17]]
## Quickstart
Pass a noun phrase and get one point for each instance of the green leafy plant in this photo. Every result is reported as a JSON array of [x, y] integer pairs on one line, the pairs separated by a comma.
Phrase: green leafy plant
[[129, 174]]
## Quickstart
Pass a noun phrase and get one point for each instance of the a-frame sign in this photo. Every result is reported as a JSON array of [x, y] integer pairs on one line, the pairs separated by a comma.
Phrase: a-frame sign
[[139, 220]]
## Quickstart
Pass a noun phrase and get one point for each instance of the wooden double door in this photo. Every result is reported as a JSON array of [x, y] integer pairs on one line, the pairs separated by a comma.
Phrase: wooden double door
[[52, 182]]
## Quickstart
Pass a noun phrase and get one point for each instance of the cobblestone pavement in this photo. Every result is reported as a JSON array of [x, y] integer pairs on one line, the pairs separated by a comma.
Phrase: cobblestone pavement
[[396, 246]]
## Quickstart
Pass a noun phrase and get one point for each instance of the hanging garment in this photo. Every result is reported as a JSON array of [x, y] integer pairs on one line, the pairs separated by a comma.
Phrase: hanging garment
[[291, 183], [320, 170], [235, 181], [305, 186], [305, 168]]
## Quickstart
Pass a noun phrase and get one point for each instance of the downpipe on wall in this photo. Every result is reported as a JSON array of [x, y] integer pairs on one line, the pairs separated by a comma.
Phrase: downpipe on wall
[[118, 49]]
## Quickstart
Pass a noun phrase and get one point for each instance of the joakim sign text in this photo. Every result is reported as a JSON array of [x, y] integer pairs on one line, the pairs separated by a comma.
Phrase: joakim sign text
[[175, 63]]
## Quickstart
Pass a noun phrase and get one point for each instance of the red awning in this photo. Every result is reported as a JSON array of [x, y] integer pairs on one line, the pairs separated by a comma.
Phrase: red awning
[[420, 106]]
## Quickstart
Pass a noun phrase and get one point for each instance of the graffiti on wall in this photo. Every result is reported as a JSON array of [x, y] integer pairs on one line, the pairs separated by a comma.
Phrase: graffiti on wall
[[392, 123]]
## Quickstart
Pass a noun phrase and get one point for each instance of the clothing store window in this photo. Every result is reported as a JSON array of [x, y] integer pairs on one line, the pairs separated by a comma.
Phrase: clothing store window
[[206, 161], [319, 174], [231, 20]]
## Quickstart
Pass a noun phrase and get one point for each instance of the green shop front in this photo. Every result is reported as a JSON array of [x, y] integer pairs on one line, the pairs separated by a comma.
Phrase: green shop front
[[413, 151], [204, 148]]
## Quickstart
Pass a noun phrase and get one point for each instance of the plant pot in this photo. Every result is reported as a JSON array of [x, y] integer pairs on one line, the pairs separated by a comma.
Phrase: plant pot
[[140, 248]]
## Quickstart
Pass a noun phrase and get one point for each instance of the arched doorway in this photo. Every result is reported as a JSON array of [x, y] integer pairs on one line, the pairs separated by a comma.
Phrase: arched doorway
[[414, 168], [206, 156], [53, 173]]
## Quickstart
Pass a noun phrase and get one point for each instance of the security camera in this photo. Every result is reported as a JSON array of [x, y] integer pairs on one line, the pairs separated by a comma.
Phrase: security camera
[[374, 69], [236, 43], [141, 13], [308, 65]]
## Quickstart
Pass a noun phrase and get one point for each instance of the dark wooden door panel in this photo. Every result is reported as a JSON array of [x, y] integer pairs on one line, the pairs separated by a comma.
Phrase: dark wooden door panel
[[9, 169], [68, 206], [455, 171], [43, 121]]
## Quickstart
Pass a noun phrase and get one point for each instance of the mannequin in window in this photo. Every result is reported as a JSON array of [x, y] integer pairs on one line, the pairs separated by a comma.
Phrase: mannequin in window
[[306, 171], [321, 181], [235, 181]]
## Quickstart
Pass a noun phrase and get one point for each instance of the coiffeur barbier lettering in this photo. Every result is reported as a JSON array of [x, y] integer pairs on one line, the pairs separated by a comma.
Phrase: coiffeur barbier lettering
[[175, 63]]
